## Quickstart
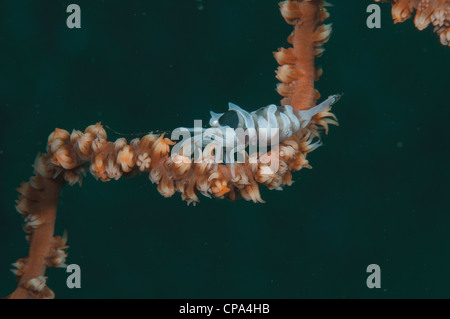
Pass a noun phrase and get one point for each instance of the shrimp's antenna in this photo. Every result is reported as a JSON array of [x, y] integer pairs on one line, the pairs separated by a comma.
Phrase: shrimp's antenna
[[140, 134]]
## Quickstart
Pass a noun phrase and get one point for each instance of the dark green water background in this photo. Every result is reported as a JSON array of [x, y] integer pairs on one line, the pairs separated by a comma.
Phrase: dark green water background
[[378, 191]]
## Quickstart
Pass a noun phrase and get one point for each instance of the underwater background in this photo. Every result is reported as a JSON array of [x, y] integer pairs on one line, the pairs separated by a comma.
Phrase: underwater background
[[378, 191]]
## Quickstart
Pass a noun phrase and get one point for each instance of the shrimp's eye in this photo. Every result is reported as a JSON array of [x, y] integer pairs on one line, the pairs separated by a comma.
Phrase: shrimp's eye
[[229, 118]]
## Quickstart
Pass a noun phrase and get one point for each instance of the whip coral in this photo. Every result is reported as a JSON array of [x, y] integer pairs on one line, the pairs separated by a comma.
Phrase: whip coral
[[68, 154], [434, 12]]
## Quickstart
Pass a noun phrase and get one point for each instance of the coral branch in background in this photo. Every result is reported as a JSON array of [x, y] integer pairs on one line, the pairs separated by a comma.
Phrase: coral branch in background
[[434, 12], [297, 71], [38, 203], [69, 153]]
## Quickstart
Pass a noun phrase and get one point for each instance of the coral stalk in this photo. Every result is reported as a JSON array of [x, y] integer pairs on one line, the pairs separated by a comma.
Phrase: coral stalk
[[38, 203], [297, 71], [434, 12]]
